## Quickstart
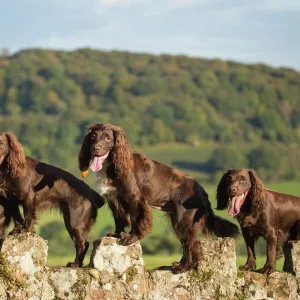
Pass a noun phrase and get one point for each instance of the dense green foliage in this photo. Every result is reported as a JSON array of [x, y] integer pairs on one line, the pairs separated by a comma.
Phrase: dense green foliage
[[48, 97], [202, 116]]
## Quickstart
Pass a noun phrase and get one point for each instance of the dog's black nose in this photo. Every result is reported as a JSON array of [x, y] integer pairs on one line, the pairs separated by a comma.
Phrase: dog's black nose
[[233, 189], [97, 149]]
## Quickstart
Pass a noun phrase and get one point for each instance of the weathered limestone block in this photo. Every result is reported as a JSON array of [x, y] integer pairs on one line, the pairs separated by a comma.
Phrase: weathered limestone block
[[121, 268], [214, 278], [26, 252], [73, 283], [292, 259], [119, 274], [23, 266], [3, 293], [255, 286]]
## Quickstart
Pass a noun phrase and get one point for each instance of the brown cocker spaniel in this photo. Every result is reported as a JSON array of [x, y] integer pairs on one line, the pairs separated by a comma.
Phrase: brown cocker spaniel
[[39, 186], [132, 184], [260, 212]]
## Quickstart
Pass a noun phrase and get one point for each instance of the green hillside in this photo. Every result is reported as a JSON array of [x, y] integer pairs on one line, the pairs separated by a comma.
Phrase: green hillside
[[48, 97]]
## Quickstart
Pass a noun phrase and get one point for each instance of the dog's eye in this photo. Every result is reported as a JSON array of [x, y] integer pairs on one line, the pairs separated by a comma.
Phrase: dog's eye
[[93, 136], [1, 144], [107, 139], [243, 180]]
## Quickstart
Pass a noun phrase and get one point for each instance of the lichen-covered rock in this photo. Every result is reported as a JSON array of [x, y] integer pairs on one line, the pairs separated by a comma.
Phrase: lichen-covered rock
[[214, 278], [116, 262], [26, 252], [70, 283], [165, 285], [119, 274], [3, 293], [22, 264], [255, 286], [292, 259], [217, 267], [109, 256]]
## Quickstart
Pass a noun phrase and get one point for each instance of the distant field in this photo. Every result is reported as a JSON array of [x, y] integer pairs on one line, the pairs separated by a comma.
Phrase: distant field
[[169, 154]]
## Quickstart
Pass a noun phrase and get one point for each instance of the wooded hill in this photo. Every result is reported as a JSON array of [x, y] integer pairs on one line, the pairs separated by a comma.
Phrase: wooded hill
[[48, 97]]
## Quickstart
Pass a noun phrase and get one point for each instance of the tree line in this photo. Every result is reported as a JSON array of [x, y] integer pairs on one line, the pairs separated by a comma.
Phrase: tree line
[[48, 97]]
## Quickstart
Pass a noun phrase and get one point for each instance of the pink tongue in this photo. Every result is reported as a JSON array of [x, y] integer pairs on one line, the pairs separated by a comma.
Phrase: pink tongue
[[97, 162], [236, 203]]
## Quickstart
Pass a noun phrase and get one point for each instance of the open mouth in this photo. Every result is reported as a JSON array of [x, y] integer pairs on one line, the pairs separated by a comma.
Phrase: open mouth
[[97, 162], [236, 204]]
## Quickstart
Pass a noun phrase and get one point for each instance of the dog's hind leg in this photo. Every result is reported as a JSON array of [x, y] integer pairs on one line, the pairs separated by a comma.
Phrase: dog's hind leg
[[82, 246], [69, 228], [186, 232], [79, 238]]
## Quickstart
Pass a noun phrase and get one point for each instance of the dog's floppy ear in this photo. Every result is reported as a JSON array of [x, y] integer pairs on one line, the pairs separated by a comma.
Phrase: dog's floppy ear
[[222, 196], [121, 154], [16, 156], [257, 193], [84, 156]]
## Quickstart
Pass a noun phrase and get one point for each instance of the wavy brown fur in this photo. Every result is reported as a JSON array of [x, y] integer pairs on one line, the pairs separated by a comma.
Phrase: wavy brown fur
[[16, 156], [222, 196], [121, 154], [264, 213], [84, 154], [257, 193]]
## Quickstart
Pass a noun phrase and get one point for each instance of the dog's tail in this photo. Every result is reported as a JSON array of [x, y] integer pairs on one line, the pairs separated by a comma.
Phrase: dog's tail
[[221, 227], [212, 223], [99, 200]]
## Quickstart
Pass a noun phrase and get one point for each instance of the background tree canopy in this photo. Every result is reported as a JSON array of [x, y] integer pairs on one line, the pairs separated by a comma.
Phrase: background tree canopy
[[48, 97]]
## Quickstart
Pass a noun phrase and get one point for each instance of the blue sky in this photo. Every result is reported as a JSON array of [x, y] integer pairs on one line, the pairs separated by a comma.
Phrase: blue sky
[[249, 31]]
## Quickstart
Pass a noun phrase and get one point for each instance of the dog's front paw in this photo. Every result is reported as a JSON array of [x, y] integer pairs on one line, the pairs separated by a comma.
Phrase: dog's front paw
[[127, 238], [28, 230], [266, 270], [16, 231], [113, 234], [72, 264], [117, 235], [248, 267], [179, 267]]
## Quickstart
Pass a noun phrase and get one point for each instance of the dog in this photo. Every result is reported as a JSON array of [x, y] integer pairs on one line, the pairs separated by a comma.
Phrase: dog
[[260, 212], [132, 185], [39, 186]]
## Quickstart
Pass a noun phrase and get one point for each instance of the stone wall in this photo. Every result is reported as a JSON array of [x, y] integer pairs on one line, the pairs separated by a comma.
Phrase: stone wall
[[117, 272]]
